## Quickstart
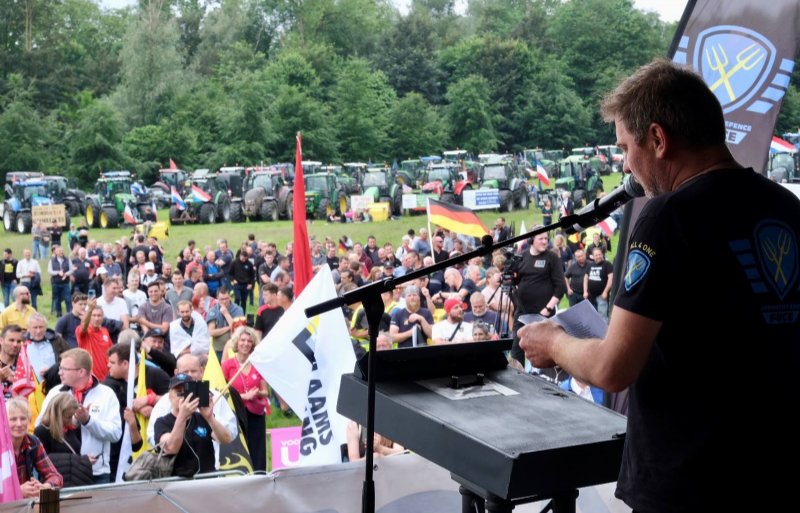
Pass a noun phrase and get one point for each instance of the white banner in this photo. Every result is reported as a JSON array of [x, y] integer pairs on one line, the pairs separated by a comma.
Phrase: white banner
[[360, 202], [482, 199], [305, 369]]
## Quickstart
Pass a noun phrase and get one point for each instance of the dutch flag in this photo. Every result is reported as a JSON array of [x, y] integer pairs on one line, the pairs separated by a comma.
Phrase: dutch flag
[[199, 194], [177, 200]]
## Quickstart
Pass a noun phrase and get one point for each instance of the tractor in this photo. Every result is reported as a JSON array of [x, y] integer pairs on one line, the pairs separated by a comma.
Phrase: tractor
[[21, 197], [410, 172], [325, 196], [580, 179], [169, 178], [445, 181], [63, 191], [502, 174], [113, 195], [381, 185], [266, 196], [206, 201]]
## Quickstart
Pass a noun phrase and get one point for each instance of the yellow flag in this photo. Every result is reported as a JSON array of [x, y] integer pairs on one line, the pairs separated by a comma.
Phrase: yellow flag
[[235, 455], [35, 400], [141, 391]]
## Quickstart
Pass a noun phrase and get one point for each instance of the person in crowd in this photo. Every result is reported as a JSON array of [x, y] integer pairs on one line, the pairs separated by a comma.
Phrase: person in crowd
[[188, 332], [597, 282], [82, 270], [562, 249], [8, 276], [481, 331], [43, 348], [179, 292], [223, 319], [187, 431], [60, 271], [574, 276], [501, 231], [547, 212], [29, 453], [155, 313], [540, 285], [59, 433], [243, 278], [422, 244], [598, 241], [253, 389], [452, 329], [93, 337], [269, 312], [11, 340], [112, 302], [72, 237], [28, 270], [112, 268], [156, 351], [20, 311], [97, 414], [97, 283], [411, 326], [37, 234], [480, 311], [678, 454]]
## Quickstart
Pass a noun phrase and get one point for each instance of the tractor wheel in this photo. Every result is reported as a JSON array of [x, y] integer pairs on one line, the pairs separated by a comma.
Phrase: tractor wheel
[[524, 201], [506, 201], [72, 209], [397, 202], [92, 215], [269, 211], [208, 213], [237, 216], [24, 222], [174, 214], [324, 209], [385, 199], [8, 219], [224, 210], [290, 206], [448, 198], [109, 218]]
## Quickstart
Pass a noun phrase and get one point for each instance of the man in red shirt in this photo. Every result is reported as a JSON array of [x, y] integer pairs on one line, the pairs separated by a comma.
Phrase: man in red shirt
[[94, 338]]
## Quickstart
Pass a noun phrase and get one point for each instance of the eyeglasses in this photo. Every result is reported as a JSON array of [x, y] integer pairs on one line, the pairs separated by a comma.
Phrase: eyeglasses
[[67, 368]]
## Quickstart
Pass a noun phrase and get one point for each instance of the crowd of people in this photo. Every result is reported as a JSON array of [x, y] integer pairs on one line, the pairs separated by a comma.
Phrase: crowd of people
[[108, 296]]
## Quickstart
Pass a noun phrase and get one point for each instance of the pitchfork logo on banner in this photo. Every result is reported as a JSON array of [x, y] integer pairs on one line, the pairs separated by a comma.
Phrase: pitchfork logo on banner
[[742, 68]]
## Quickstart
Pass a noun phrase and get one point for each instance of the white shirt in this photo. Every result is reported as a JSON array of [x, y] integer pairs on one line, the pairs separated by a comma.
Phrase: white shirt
[[199, 340], [24, 267], [41, 356], [113, 310], [444, 329], [135, 300]]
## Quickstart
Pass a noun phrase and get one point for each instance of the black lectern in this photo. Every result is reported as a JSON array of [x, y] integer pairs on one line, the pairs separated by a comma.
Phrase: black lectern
[[513, 439]]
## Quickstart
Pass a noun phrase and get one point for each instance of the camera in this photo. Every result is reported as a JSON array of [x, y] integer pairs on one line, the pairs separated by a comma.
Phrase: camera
[[511, 268], [200, 389]]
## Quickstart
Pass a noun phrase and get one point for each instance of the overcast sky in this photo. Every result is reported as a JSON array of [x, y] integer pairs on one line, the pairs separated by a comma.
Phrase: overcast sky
[[668, 10]]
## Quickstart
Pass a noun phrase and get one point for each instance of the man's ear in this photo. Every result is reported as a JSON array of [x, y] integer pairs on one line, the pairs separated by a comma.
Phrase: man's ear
[[658, 140]]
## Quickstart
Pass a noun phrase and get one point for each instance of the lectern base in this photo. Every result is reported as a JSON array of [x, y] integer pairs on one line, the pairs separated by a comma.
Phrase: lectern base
[[484, 502]]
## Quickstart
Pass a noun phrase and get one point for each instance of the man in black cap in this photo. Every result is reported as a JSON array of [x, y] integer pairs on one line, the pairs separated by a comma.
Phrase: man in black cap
[[156, 351]]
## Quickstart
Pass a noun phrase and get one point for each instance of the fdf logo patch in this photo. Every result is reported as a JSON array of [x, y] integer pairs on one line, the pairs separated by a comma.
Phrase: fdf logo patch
[[776, 248], [636, 268]]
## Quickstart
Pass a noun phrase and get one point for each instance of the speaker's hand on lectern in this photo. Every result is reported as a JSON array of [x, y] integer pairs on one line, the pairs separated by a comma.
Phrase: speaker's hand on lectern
[[537, 340]]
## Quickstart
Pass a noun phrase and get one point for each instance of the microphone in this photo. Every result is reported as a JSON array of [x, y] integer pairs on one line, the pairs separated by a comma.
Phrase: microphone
[[601, 208]]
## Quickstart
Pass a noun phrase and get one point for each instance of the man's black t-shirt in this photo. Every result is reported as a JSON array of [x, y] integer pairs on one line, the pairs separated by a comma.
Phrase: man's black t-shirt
[[197, 450], [541, 277], [267, 319], [598, 277], [701, 431], [575, 275]]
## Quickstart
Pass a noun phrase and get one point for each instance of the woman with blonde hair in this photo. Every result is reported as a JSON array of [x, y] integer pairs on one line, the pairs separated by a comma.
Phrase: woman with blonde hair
[[29, 452], [61, 437], [254, 391]]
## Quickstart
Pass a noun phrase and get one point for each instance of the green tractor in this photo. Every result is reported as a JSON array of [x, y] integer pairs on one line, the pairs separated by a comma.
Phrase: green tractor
[[503, 175], [113, 195], [410, 172], [348, 178], [206, 201], [580, 179], [325, 196], [382, 186]]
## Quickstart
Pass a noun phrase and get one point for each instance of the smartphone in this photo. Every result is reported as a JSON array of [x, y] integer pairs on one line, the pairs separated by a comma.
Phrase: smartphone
[[199, 389], [91, 294]]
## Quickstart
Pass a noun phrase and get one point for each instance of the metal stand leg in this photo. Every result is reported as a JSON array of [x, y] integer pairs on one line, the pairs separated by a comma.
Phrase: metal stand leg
[[470, 502]]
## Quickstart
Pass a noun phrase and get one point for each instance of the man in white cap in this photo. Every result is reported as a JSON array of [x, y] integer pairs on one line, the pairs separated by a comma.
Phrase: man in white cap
[[149, 275]]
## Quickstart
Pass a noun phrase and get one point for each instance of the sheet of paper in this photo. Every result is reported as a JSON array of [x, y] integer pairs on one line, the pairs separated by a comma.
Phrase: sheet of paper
[[581, 321]]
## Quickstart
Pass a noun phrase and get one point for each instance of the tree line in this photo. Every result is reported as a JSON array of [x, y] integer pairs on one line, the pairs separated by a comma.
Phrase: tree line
[[215, 82]]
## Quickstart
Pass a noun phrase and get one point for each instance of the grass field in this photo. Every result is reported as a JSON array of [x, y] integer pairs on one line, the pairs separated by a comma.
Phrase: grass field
[[279, 232]]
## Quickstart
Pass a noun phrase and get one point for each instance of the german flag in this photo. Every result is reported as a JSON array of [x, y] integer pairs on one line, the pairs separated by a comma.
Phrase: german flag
[[455, 218]]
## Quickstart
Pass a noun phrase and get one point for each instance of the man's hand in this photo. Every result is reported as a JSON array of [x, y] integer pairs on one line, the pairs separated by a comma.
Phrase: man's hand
[[6, 373], [82, 414], [537, 341]]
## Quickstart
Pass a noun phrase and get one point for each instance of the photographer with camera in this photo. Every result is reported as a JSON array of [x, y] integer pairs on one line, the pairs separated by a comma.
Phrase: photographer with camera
[[187, 430], [539, 276]]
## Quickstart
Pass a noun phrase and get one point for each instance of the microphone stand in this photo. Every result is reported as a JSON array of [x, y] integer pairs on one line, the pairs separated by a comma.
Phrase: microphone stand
[[370, 297]]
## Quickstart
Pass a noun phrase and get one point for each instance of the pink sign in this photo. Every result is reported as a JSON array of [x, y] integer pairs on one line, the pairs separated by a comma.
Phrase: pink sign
[[285, 447]]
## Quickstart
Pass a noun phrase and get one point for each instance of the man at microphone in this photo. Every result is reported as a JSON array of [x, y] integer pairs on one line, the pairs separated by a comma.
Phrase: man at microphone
[[695, 445]]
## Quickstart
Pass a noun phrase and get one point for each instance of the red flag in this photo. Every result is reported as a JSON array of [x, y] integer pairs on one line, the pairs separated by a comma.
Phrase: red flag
[[172, 164], [302, 252]]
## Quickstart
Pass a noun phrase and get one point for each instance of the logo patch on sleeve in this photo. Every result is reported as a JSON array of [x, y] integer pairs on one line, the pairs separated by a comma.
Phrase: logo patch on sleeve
[[777, 251], [636, 268]]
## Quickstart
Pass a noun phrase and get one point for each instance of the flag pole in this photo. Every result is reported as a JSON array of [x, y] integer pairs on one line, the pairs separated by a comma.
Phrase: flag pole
[[428, 209]]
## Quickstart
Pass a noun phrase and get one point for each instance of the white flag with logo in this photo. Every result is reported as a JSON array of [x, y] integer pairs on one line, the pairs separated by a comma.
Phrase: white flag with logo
[[303, 360]]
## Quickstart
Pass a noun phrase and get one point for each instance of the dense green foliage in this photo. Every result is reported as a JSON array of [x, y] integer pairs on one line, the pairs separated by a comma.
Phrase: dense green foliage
[[214, 82]]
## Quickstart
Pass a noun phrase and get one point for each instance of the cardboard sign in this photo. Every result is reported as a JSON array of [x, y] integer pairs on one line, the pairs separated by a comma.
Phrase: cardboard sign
[[416, 201], [49, 214]]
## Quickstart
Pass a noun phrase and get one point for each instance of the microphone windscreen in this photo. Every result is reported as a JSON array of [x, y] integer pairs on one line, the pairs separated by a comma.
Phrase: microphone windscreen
[[632, 187]]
